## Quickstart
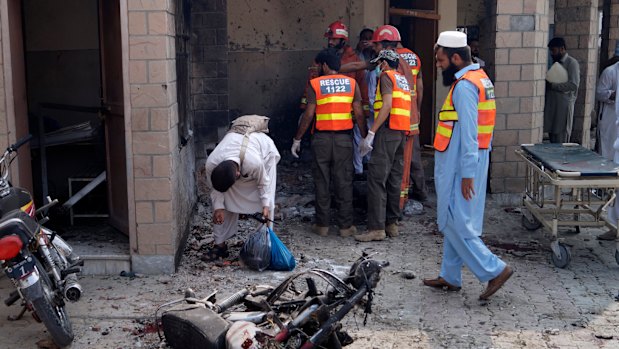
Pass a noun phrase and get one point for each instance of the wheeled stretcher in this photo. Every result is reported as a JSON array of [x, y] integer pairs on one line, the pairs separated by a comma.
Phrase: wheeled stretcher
[[567, 185]]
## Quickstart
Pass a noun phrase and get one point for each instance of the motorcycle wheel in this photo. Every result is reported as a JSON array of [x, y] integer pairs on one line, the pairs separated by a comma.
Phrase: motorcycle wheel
[[51, 311]]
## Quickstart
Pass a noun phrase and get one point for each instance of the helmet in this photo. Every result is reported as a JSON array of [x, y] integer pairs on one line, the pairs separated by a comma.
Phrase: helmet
[[337, 30], [386, 33]]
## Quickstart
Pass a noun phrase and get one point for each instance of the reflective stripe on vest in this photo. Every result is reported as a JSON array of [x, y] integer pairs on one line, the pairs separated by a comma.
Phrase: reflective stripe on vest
[[486, 112], [412, 59], [334, 97], [399, 116]]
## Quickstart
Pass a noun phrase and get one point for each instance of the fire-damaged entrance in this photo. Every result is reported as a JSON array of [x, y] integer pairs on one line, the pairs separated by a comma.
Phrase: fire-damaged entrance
[[75, 102]]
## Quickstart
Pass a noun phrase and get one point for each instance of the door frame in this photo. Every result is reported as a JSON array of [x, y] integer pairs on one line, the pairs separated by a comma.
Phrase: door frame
[[15, 58], [13, 64], [124, 33]]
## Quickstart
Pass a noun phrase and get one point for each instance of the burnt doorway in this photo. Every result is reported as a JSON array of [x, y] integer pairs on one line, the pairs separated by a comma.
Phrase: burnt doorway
[[75, 98], [417, 22]]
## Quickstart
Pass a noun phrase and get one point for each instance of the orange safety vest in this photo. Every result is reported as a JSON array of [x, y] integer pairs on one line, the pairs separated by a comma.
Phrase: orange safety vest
[[415, 63], [349, 55], [334, 97], [486, 112], [399, 116]]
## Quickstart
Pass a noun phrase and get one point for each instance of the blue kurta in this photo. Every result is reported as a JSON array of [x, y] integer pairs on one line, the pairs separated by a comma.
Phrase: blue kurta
[[459, 220]]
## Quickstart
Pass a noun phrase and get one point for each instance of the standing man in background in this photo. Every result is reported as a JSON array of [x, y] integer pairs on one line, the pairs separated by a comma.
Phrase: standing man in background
[[606, 95], [560, 97], [364, 52], [462, 143], [474, 45]]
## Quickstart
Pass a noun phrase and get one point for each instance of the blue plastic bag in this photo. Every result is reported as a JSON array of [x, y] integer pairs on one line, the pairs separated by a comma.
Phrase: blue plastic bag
[[281, 258]]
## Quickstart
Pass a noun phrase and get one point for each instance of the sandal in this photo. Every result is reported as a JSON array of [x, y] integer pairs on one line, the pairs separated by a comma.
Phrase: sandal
[[215, 253]]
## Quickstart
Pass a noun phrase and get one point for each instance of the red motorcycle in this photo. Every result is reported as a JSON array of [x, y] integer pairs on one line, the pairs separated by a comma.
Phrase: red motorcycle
[[41, 265]]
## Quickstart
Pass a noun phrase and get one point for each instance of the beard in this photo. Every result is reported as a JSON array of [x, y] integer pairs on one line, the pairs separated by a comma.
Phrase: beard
[[449, 74], [556, 58], [338, 46]]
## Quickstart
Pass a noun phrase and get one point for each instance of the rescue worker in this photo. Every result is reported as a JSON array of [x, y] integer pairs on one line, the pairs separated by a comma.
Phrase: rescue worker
[[331, 97], [462, 143], [386, 139], [337, 38], [388, 37], [417, 182]]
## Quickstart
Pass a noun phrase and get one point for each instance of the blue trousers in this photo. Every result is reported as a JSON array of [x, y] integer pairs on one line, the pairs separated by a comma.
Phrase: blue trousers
[[472, 252]]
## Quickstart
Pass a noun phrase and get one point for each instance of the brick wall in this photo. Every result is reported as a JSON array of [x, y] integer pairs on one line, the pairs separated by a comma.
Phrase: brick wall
[[518, 66], [577, 22], [209, 72], [163, 175]]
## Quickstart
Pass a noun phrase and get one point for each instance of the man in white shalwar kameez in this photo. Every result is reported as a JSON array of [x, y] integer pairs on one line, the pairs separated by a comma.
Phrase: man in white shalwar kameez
[[613, 210], [605, 94], [253, 190], [461, 168]]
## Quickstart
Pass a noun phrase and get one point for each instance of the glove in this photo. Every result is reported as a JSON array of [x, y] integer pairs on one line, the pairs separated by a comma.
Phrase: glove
[[366, 146], [296, 147]]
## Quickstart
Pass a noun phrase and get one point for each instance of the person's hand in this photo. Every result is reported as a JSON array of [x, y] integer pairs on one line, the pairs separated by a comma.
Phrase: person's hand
[[265, 212], [296, 147], [612, 96], [218, 216], [468, 188], [366, 145]]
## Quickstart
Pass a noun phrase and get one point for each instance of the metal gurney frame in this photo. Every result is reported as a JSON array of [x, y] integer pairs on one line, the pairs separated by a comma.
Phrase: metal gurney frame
[[573, 194]]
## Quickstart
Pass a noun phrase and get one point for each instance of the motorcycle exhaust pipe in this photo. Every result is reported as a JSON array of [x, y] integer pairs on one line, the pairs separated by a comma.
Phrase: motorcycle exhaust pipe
[[72, 289]]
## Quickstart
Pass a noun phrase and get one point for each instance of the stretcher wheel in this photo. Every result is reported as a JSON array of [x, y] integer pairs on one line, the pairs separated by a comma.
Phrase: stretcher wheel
[[531, 223], [564, 260]]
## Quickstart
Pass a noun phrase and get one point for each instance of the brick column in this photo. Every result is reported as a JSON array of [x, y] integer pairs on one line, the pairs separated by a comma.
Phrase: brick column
[[152, 78], [577, 22], [209, 72], [519, 69]]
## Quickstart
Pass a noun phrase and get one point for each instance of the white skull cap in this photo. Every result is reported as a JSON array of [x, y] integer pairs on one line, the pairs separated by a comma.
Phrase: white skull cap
[[451, 39]]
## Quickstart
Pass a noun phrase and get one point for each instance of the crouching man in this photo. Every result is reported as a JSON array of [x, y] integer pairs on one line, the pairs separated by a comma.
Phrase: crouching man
[[241, 173]]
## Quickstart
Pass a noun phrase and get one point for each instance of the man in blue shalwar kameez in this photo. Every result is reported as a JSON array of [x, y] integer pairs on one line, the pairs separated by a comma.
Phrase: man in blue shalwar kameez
[[462, 141]]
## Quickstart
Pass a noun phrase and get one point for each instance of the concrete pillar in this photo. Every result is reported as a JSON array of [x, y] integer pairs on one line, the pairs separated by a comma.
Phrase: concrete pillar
[[518, 66], [577, 22]]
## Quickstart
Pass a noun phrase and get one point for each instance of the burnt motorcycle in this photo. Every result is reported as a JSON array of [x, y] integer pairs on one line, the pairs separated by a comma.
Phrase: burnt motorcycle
[[40, 264], [303, 312]]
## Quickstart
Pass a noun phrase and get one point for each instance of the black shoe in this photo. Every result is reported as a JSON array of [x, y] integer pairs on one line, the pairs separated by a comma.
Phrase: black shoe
[[419, 196], [360, 177]]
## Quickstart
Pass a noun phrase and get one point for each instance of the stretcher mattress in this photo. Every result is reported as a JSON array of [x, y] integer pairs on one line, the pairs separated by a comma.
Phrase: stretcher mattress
[[571, 158]]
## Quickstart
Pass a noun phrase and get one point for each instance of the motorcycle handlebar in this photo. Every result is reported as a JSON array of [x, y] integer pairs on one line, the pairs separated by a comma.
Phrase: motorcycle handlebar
[[19, 143]]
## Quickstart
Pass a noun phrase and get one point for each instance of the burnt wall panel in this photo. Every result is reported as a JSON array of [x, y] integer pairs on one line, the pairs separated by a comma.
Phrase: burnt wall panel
[[271, 45], [262, 48], [208, 72]]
